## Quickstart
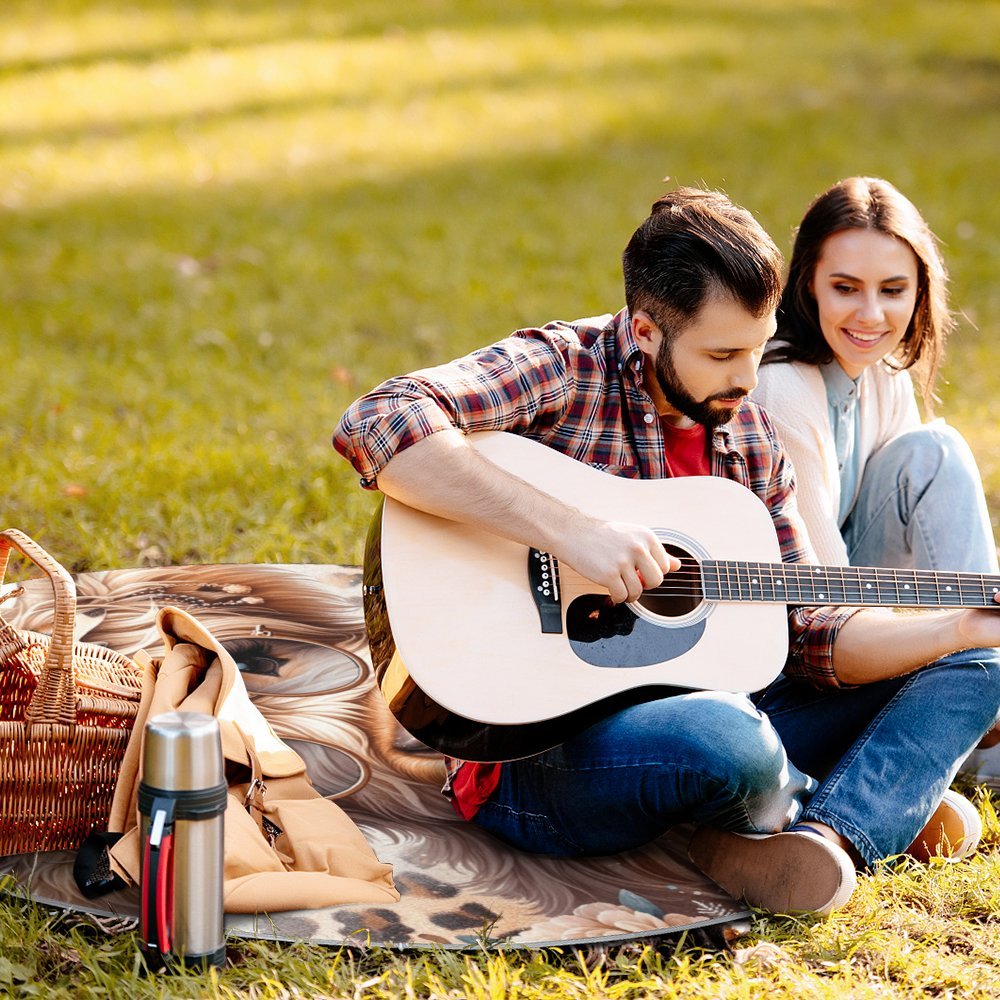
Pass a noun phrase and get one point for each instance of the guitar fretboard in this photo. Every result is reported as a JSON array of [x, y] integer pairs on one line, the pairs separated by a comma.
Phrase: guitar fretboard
[[800, 583]]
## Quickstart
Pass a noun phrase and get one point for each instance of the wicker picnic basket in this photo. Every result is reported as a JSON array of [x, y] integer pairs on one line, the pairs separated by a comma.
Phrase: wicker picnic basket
[[66, 711]]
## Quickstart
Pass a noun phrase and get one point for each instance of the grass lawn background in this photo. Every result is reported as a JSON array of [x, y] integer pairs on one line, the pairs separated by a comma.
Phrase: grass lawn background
[[222, 221]]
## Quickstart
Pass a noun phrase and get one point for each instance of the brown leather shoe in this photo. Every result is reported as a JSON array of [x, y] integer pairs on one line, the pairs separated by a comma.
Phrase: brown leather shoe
[[789, 872], [953, 832]]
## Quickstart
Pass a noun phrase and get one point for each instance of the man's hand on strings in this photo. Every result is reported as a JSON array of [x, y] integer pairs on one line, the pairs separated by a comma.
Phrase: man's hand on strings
[[624, 558]]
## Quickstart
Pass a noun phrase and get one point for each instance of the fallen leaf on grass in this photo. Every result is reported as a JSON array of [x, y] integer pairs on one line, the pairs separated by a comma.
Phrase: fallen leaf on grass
[[765, 954]]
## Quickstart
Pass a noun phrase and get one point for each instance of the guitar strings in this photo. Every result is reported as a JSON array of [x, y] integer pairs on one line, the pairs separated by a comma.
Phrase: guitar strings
[[682, 580], [690, 581]]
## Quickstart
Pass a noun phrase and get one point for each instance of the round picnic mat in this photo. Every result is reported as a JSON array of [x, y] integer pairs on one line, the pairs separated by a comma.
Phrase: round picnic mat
[[297, 633]]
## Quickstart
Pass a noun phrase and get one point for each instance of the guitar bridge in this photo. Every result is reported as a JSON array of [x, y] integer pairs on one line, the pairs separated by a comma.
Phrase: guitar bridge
[[543, 577]]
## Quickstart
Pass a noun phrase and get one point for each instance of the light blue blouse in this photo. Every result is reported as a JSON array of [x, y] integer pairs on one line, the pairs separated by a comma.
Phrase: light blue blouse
[[842, 402]]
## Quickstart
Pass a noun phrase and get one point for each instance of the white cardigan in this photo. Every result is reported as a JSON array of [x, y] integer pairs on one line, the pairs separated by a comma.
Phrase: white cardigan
[[794, 395]]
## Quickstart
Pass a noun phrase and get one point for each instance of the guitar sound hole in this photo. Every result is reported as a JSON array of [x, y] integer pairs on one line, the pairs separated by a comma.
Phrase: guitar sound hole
[[680, 593]]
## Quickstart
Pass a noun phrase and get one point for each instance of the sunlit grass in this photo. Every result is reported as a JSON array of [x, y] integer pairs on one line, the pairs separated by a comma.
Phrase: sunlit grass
[[219, 222], [360, 106], [911, 932]]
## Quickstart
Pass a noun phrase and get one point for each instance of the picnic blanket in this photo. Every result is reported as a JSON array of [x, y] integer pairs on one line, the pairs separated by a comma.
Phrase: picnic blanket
[[297, 634]]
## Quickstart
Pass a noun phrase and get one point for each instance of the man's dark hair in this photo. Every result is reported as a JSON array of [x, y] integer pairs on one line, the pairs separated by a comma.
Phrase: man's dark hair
[[694, 244]]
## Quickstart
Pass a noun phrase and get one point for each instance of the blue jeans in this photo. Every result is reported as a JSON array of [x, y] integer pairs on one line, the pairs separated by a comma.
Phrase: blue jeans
[[707, 757], [921, 506], [884, 753]]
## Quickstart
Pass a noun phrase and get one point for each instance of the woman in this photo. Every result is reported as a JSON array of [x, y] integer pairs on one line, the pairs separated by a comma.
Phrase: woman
[[865, 304]]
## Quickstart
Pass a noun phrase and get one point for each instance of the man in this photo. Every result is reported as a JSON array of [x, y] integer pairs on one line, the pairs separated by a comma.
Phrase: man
[[853, 748]]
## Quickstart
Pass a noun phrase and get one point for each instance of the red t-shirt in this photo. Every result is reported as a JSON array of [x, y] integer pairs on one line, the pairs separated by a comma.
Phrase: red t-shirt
[[686, 455], [686, 450]]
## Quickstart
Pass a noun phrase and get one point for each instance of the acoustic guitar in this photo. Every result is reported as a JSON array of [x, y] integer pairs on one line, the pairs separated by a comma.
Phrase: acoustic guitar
[[489, 650]]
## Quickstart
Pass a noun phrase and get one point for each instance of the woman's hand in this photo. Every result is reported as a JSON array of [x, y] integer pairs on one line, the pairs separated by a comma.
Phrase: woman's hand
[[980, 627]]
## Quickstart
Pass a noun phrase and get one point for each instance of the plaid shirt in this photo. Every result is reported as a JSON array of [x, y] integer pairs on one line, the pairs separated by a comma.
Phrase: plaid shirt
[[577, 387]]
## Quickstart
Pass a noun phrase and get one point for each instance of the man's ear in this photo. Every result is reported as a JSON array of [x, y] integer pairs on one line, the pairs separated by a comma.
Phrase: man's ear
[[646, 333]]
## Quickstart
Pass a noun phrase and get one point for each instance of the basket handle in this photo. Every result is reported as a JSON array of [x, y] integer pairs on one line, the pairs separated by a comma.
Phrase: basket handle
[[54, 700]]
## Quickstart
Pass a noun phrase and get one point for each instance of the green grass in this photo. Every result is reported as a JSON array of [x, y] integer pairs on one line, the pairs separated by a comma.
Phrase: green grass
[[221, 221], [910, 932]]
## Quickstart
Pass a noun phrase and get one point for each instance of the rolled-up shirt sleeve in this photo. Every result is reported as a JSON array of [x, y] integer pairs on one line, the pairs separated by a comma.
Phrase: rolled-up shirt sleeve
[[812, 632], [517, 383]]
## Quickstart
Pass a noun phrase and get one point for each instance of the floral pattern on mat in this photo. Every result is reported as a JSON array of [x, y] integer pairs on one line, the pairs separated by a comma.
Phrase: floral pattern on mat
[[297, 633]]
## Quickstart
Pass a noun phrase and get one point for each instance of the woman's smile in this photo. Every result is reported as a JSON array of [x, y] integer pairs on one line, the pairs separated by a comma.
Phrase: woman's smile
[[865, 285]]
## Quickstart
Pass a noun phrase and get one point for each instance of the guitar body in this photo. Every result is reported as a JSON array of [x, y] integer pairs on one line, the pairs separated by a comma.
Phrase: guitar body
[[458, 635]]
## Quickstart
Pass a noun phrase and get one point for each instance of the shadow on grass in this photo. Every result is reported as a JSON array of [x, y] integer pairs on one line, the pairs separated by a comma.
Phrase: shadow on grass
[[180, 348], [249, 23]]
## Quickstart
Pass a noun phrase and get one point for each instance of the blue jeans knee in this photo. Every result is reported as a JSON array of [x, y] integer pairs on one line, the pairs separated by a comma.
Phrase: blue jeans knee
[[920, 505], [706, 757]]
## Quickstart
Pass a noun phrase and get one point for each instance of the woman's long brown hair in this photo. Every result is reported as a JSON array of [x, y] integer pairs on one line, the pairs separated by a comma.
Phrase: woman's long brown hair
[[866, 203]]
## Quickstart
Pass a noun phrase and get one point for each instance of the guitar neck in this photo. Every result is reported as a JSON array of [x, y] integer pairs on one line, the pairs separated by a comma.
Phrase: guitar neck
[[801, 583]]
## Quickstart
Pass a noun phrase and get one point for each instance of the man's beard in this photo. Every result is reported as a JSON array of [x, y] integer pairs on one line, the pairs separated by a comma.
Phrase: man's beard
[[680, 399]]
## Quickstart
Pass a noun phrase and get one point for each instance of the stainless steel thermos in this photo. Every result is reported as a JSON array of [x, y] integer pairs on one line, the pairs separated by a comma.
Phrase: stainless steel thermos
[[182, 801]]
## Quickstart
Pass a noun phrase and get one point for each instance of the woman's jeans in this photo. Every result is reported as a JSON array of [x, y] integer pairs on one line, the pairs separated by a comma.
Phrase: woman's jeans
[[921, 506], [872, 761]]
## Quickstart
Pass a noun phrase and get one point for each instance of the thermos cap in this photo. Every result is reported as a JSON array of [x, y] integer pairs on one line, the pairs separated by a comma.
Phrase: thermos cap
[[182, 752]]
